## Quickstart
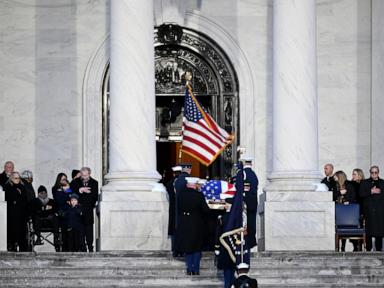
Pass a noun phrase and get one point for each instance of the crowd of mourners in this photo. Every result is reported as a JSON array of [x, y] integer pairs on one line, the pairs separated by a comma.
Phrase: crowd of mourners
[[69, 215], [368, 193]]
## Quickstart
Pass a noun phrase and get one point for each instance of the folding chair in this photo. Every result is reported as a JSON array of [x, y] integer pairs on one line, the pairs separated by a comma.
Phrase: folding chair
[[348, 224]]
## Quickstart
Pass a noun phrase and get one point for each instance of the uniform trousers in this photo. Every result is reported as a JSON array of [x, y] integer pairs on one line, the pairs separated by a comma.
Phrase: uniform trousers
[[229, 277], [193, 262]]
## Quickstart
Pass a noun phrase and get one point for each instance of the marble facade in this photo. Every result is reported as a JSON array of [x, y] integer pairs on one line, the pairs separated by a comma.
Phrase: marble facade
[[54, 54]]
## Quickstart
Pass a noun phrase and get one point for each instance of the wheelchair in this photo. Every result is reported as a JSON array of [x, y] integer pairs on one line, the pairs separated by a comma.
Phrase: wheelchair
[[46, 232]]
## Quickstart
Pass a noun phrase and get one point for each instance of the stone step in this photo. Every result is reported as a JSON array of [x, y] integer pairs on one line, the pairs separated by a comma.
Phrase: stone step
[[169, 271], [183, 280]]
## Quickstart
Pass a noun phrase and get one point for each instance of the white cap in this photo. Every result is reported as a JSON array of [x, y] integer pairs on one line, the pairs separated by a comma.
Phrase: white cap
[[176, 168], [246, 159], [192, 180], [243, 266]]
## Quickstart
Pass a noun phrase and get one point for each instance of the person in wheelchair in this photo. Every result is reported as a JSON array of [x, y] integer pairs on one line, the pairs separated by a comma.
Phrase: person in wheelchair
[[43, 211]]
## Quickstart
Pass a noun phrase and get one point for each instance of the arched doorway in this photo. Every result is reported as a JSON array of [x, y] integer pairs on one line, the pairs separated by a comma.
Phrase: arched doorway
[[215, 84]]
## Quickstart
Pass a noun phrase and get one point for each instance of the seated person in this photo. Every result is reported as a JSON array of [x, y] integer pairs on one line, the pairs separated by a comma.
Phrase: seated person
[[43, 211], [243, 280]]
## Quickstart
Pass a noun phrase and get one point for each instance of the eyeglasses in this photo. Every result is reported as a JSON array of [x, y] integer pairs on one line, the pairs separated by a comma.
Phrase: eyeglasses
[[374, 172], [16, 178]]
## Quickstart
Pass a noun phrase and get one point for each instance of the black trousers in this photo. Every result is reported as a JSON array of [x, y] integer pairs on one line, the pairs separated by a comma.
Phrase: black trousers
[[88, 237], [378, 243], [74, 240]]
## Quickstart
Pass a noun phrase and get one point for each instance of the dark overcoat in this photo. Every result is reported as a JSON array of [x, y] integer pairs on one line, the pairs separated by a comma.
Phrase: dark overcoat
[[330, 182], [17, 212], [250, 199], [349, 196], [172, 206], [86, 200], [373, 206], [191, 207]]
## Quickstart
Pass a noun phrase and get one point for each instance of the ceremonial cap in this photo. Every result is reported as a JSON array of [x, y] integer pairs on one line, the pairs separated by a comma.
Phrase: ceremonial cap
[[176, 168], [186, 165], [192, 180], [246, 159], [243, 266]]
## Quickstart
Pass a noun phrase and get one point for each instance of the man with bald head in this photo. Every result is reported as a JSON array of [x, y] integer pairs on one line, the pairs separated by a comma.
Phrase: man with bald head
[[8, 170], [328, 179]]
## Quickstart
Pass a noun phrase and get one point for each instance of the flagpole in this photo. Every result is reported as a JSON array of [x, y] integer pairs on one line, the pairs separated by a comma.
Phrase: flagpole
[[188, 77]]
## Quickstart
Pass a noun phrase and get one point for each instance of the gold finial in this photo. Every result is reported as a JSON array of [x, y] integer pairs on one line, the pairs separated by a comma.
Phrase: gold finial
[[188, 77]]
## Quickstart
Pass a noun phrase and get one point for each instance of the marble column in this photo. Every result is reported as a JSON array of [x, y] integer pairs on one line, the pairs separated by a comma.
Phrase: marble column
[[133, 207], [3, 221], [295, 216]]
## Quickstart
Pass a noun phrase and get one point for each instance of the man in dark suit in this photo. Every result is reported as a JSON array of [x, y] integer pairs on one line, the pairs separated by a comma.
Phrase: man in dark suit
[[328, 179], [251, 183], [88, 190], [8, 170], [191, 207], [372, 193]]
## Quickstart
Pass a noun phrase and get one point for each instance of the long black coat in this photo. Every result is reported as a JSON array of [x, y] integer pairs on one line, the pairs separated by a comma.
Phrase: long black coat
[[86, 200], [3, 179], [17, 213], [373, 206], [191, 207], [172, 206], [251, 201]]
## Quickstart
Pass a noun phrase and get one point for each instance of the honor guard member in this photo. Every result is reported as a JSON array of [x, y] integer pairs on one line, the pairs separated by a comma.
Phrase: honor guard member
[[191, 207], [243, 280], [251, 184], [181, 183], [172, 206]]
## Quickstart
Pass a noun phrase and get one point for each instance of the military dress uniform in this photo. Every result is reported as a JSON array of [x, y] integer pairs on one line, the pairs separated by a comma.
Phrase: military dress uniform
[[251, 201]]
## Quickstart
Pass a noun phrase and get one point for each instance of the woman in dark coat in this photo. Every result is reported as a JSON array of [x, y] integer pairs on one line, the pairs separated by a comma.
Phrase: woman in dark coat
[[191, 207], [372, 192], [17, 213]]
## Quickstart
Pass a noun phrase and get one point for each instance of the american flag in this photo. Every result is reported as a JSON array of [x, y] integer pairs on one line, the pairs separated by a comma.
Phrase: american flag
[[218, 190], [203, 139]]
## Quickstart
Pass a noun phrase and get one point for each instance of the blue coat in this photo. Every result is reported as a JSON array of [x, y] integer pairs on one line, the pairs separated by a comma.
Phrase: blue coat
[[251, 201]]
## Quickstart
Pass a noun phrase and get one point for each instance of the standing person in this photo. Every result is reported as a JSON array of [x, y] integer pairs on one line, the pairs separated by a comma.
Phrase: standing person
[[61, 197], [75, 228], [27, 178], [224, 261], [191, 207], [75, 174], [372, 192], [88, 190], [17, 213], [357, 178], [344, 193], [328, 179], [251, 183], [172, 207], [8, 170], [180, 182], [243, 280]]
